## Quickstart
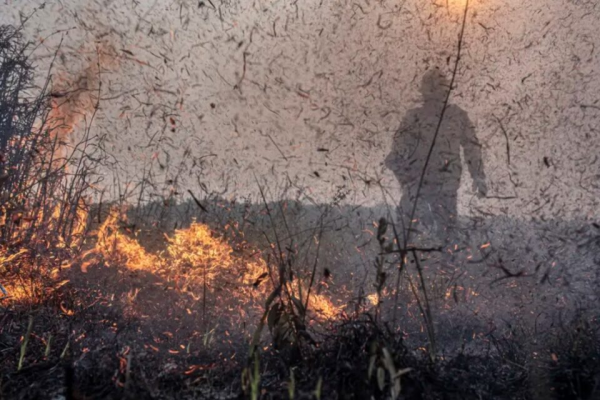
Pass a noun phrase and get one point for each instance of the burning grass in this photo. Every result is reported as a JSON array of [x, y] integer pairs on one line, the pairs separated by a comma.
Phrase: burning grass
[[200, 264]]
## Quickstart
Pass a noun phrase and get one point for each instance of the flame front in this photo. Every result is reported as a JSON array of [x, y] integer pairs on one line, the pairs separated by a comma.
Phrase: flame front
[[200, 264]]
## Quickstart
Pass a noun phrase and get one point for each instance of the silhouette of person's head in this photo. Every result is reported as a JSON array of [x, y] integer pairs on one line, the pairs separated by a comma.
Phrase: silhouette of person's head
[[434, 86]]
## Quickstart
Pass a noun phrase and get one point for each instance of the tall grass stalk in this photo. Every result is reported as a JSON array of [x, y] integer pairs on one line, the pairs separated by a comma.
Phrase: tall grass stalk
[[25, 342]]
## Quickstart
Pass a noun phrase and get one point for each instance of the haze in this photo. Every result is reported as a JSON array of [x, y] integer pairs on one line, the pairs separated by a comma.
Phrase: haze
[[305, 96]]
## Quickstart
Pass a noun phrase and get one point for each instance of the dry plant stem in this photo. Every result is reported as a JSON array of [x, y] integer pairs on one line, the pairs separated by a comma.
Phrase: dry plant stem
[[427, 316], [25, 342], [128, 370], [78, 183], [42, 189], [401, 254], [285, 223], [204, 297], [314, 269], [439, 124], [279, 254], [270, 215], [399, 275]]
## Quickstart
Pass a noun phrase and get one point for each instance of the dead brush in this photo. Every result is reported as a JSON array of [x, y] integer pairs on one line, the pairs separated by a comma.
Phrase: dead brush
[[45, 179], [287, 310], [574, 359], [361, 358]]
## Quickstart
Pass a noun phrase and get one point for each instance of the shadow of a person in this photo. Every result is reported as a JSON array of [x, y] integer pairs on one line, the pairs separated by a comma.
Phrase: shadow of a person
[[436, 213]]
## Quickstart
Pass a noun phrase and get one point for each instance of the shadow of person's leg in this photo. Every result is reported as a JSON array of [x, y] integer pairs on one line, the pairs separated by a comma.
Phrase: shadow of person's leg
[[447, 214]]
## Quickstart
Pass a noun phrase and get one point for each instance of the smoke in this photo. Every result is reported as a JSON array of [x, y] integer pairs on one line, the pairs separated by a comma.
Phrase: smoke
[[284, 91]]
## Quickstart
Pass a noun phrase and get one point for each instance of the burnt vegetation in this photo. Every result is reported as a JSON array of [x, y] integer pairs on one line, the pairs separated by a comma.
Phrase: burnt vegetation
[[96, 304]]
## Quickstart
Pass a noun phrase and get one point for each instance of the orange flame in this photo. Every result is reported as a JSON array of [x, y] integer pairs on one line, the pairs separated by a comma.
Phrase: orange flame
[[197, 259]]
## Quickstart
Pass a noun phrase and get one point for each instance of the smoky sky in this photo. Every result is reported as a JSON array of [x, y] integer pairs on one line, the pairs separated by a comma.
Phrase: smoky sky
[[307, 96]]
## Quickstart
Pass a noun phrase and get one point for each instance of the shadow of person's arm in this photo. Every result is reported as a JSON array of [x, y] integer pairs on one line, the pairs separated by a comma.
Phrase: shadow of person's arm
[[473, 156]]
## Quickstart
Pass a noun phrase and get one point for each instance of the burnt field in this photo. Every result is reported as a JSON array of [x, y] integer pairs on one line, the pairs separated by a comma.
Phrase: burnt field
[[159, 289], [182, 309]]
